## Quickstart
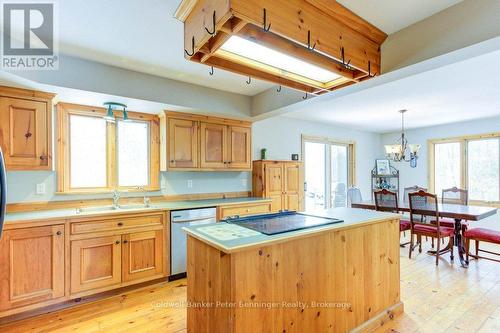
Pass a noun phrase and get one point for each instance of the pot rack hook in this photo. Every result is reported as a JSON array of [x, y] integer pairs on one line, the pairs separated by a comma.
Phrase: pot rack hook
[[309, 41], [211, 70], [192, 47], [306, 96], [279, 89], [213, 32], [342, 53], [265, 26], [370, 70], [249, 80]]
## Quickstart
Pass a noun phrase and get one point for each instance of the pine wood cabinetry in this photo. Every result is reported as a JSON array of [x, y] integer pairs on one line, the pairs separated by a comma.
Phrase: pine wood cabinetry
[[281, 181], [25, 129], [200, 143], [243, 210], [53, 262], [31, 266], [182, 144]]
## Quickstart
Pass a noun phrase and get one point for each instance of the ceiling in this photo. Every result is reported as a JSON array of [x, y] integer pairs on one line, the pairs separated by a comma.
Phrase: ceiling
[[393, 15], [143, 35], [452, 93]]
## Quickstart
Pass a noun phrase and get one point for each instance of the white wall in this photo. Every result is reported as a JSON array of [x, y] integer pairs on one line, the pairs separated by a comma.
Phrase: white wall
[[281, 136]]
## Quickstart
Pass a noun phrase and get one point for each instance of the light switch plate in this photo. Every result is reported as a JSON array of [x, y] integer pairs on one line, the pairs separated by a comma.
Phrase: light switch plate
[[40, 188]]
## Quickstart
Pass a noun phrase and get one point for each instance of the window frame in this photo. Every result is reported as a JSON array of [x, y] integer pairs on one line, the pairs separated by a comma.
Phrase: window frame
[[63, 165], [351, 161], [464, 165]]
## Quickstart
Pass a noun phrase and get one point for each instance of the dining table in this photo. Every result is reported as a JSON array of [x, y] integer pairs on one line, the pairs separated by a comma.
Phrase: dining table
[[456, 212]]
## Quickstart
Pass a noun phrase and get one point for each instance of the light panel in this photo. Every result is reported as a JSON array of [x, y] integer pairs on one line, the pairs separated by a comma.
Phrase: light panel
[[256, 52]]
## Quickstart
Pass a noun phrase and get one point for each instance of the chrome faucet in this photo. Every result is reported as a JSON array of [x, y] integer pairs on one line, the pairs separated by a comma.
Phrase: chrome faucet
[[146, 199], [116, 198]]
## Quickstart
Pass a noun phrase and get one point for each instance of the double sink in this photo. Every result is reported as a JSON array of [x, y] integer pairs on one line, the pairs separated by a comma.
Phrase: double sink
[[109, 208]]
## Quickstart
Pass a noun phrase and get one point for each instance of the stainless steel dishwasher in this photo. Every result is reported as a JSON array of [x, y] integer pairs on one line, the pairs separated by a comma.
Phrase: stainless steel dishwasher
[[178, 247]]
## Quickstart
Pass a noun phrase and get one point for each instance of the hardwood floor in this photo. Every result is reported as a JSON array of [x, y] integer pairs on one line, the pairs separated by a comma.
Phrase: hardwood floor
[[447, 298]]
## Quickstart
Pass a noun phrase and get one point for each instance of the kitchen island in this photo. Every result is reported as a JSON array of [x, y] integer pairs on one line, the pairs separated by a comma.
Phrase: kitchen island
[[338, 277]]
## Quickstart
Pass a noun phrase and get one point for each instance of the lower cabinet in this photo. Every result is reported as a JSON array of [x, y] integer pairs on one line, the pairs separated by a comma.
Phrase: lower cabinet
[[31, 266], [95, 263], [142, 255], [102, 262]]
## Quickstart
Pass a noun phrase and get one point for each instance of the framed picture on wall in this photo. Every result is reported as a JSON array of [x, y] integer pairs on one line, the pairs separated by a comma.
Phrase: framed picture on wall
[[383, 167]]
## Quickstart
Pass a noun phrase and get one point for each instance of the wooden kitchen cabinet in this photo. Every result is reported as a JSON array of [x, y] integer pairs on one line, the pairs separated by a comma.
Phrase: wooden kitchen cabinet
[[95, 263], [220, 144], [281, 181], [239, 151], [213, 146], [31, 266], [25, 129], [142, 255], [183, 152]]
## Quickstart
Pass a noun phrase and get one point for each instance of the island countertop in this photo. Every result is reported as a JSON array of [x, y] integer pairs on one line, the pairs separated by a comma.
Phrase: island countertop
[[352, 217]]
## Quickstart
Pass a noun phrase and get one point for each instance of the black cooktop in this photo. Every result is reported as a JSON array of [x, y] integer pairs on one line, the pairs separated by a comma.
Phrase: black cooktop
[[271, 224]]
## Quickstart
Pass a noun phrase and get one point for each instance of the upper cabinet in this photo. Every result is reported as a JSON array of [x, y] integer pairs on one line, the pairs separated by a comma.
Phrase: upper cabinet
[[182, 144], [25, 129], [200, 143]]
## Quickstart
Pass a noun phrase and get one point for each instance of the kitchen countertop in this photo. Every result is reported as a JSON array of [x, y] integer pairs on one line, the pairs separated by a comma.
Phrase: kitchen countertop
[[156, 206], [352, 218]]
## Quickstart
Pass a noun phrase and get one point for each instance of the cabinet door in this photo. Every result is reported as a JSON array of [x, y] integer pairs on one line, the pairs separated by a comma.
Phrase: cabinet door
[[239, 148], [183, 144], [274, 185], [292, 188], [25, 134], [213, 146], [95, 263], [31, 266], [142, 255]]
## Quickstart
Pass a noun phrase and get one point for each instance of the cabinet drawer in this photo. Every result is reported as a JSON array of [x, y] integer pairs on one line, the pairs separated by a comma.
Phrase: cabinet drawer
[[115, 224], [243, 210]]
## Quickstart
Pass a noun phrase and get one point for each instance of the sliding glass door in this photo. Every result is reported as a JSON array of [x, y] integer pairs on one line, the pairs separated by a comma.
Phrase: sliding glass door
[[315, 175], [327, 173]]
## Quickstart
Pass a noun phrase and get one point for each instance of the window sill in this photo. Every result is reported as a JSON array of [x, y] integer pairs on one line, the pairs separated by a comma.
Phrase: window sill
[[107, 191]]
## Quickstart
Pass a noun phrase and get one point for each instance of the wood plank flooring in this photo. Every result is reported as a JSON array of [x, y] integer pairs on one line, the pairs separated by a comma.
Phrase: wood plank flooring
[[447, 298]]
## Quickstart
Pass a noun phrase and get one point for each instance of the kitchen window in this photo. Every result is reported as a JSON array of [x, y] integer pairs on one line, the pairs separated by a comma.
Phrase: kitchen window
[[97, 156], [470, 162], [329, 171]]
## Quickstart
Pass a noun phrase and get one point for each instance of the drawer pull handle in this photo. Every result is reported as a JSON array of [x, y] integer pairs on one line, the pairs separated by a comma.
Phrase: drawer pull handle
[[117, 242], [59, 233], [120, 224], [125, 241]]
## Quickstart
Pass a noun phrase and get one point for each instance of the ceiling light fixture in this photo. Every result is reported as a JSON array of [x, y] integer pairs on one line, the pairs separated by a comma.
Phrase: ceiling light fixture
[[397, 152], [314, 46]]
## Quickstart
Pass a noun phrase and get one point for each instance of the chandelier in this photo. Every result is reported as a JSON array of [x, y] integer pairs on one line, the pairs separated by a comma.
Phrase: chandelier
[[402, 150]]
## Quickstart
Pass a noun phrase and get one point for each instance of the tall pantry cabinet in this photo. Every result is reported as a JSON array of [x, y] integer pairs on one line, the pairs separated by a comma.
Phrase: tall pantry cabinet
[[282, 181]]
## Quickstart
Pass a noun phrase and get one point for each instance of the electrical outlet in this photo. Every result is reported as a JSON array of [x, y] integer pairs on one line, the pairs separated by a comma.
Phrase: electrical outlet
[[190, 183], [40, 188], [244, 182]]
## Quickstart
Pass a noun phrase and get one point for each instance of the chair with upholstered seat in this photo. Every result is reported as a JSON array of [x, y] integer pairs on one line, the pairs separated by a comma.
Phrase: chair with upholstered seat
[[353, 196], [483, 235], [454, 196], [412, 189], [423, 204], [387, 201]]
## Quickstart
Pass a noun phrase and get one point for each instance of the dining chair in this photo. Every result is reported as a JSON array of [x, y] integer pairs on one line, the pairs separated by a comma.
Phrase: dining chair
[[454, 196], [483, 235], [387, 201], [412, 189], [426, 204], [353, 195]]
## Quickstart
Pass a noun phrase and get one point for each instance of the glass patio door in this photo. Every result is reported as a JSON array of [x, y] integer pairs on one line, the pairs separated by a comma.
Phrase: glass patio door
[[326, 175]]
